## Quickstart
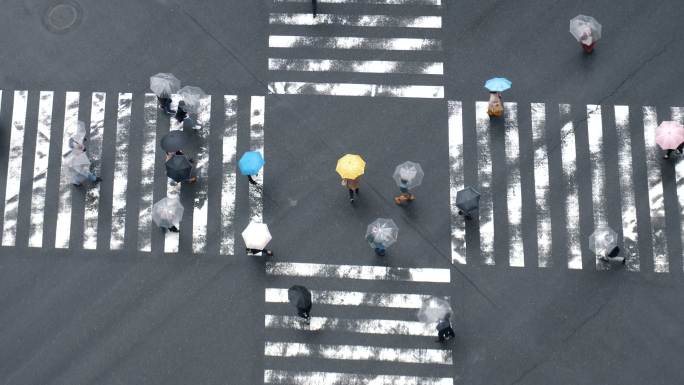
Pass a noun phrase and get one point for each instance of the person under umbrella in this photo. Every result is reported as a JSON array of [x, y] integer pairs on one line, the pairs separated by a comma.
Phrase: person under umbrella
[[179, 168], [256, 236], [167, 213], [444, 330], [586, 30], [174, 142], [435, 309], [467, 201], [407, 176], [381, 234], [496, 86], [603, 242], [191, 101], [670, 137], [164, 85], [300, 297], [250, 163], [77, 167], [350, 167]]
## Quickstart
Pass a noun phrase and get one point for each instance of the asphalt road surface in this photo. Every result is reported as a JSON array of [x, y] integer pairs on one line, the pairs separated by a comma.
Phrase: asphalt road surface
[[92, 293]]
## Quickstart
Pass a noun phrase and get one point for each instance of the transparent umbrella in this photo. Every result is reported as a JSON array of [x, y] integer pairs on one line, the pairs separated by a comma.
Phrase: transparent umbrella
[[410, 172], [192, 97], [77, 166], [602, 240], [256, 235], [164, 84], [585, 29], [383, 231], [434, 309], [168, 212]]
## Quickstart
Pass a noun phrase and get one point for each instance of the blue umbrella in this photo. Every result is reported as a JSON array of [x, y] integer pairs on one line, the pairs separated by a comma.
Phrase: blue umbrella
[[498, 84], [251, 162]]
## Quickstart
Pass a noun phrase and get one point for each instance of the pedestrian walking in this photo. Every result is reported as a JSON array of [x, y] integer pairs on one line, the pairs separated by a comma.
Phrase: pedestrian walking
[[165, 104], [350, 167], [78, 168], [496, 86], [167, 213], [164, 85], [603, 242], [670, 137], [179, 167], [353, 187], [467, 201], [378, 247], [407, 176], [250, 163], [181, 114], [614, 256], [381, 234], [444, 330], [586, 30], [256, 236], [300, 297]]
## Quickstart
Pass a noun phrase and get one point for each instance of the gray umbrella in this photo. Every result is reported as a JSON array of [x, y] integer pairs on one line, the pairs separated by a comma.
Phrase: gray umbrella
[[174, 141], [192, 97], [434, 309], [164, 84], [468, 199], [179, 168], [602, 240], [299, 297]]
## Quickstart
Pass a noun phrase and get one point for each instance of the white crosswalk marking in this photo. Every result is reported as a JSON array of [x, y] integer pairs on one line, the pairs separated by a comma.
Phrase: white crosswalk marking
[[256, 143], [388, 2], [598, 170], [92, 196], [147, 164], [628, 202], [63, 233], [516, 256], [569, 159], [458, 245], [200, 202], [327, 378], [40, 168], [541, 184], [356, 20], [484, 174], [120, 183], [16, 153], [365, 66], [358, 272], [352, 42], [677, 114], [353, 298], [228, 184], [356, 89]]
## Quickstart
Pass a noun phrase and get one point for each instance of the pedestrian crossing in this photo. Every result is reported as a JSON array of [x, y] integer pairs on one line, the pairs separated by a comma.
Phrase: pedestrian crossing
[[389, 48]]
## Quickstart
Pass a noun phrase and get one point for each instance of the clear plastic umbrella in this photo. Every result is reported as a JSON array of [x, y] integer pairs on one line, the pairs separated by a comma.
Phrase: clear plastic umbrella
[[434, 309], [410, 172], [164, 84], [585, 29], [602, 240], [77, 166], [167, 212], [256, 235], [192, 96], [383, 231]]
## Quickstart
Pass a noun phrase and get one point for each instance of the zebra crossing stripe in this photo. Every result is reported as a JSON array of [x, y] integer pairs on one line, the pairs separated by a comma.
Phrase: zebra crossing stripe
[[356, 20], [655, 192], [541, 184], [358, 353], [14, 161], [331, 378], [569, 161], [62, 236], [364, 326], [120, 182], [353, 298], [147, 166], [484, 173], [455, 125], [256, 139], [40, 168], [228, 184], [627, 201], [598, 170], [356, 89], [92, 195], [351, 42], [364, 66], [200, 202], [677, 114], [516, 257], [388, 2], [359, 272]]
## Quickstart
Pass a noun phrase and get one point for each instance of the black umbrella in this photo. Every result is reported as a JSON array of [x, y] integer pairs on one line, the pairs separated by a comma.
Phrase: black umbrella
[[174, 141], [299, 296], [178, 168], [467, 199]]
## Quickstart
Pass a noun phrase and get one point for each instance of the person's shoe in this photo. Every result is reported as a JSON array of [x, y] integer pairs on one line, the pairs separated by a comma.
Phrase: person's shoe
[[173, 229], [624, 261], [193, 179], [351, 200], [356, 191], [98, 180], [269, 253], [397, 200]]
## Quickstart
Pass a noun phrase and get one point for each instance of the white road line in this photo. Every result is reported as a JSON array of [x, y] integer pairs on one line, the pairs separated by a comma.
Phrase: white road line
[[92, 196], [364, 66], [458, 243], [569, 159], [173, 189], [677, 114], [627, 202], [365, 326], [541, 184], [40, 168], [256, 143], [62, 236], [358, 353], [332, 378], [484, 173], [350, 42], [388, 2], [120, 182], [14, 161], [356, 89], [661, 263], [356, 20], [358, 272], [200, 202], [516, 256], [228, 169], [598, 170], [149, 145], [353, 298]]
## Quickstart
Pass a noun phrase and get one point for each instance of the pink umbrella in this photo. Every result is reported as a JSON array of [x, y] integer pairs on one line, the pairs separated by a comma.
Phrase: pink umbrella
[[669, 135]]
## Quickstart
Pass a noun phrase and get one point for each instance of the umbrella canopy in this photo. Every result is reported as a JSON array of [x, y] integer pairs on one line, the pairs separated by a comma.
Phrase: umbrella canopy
[[77, 166], [467, 199], [408, 174], [164, 84], [299, 297], [192, 96], [434, 309], [585, 29], [498, 84], [602, 240], [256, 235], [383, 231], [175, 140], [179, 168], [167, 212], [251, 162], [350, 166], [669, 135]]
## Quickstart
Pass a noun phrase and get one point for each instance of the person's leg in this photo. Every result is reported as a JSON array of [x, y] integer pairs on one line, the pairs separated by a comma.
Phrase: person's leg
[[173, 229], [351, 195], [314, 7], [440, 335]]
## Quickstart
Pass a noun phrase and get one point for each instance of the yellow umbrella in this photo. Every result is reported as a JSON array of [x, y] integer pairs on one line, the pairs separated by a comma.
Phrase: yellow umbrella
[[350, 166]]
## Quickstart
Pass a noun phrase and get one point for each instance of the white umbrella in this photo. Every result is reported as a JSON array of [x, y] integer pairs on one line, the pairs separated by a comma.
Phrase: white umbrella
[[410, 172], [164, 84], [256, 236], [77, 166], [192, 97], [434, 309], [168, 212], [602, 240], [585, 29], [383, 231]]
